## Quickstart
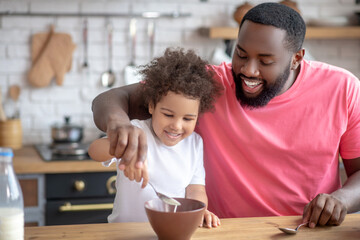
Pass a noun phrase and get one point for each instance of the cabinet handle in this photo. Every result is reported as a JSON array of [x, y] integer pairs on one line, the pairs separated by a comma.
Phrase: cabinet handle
[[79, 185], [109, 187], [67, 207]]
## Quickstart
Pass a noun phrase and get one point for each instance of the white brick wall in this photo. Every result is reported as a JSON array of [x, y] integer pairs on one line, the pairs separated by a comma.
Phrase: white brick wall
[[40, 108]]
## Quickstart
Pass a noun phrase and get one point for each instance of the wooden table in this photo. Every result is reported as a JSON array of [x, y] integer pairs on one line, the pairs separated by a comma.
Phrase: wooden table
[[231, 228]]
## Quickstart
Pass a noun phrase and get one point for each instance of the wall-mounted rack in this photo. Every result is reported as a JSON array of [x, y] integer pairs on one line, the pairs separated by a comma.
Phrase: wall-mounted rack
[[152, 15], [345, 32]]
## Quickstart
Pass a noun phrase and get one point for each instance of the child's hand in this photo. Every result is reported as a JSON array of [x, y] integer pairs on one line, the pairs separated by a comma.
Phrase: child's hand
[[137, 174], [210, 220]]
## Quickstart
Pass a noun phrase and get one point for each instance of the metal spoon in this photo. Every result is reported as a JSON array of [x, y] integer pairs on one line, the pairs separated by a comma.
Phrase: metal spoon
[[164, 198], [150, 32], [108, 77], [85, 64], [291, 230]]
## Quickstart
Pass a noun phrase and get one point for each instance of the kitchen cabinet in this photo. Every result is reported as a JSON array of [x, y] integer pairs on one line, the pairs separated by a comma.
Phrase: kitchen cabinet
[[43, 208], [79, 198], [33, 186], [32, 170], [348, 32]]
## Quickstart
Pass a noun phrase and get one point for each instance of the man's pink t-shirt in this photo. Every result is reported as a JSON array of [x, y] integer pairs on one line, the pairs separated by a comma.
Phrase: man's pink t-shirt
[[274, 160]]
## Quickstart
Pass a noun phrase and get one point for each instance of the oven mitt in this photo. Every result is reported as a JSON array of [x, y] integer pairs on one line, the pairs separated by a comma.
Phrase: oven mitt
[[39, 41], [51, 56]]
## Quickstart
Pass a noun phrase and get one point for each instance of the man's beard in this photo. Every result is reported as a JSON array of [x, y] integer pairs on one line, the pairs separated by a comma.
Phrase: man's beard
[[268, 92]]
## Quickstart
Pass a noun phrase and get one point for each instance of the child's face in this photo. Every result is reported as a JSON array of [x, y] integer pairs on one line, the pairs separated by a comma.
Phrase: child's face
[[174, 117]]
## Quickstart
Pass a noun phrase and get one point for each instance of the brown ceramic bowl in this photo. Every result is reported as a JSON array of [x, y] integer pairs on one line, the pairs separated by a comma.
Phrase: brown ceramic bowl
[[179, 225]]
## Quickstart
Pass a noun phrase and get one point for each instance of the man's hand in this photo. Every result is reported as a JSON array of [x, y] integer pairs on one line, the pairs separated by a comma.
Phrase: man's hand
[[324, 209], [127, 142]]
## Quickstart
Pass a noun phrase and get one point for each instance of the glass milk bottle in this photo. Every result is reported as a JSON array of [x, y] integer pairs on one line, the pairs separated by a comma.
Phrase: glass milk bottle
[[11, 199]]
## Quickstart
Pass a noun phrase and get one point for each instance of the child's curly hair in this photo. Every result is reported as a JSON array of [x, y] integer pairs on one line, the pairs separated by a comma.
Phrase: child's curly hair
[[182, 72]]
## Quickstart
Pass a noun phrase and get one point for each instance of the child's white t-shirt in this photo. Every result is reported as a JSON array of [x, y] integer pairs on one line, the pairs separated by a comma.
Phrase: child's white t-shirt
[[171, 170]]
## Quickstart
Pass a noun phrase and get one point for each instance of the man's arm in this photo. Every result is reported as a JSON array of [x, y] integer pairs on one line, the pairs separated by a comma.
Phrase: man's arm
[[118, 104], [351, 189], [330, 209], [112, 111]]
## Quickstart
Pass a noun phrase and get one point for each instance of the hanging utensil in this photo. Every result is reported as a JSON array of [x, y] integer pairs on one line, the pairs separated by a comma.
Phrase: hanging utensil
[[14, 92], [150, 32], [2, 113], [85, 64], [13, 105], [130, 70], [108, 77]]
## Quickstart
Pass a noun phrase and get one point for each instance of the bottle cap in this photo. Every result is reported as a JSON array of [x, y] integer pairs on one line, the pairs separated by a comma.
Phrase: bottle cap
[[6, 152]]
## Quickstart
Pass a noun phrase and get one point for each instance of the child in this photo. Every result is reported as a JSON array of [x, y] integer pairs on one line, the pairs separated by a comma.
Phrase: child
[[177, 87]]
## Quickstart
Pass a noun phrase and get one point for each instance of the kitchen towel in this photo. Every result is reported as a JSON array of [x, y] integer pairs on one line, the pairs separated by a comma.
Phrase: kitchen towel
[[51, 57]]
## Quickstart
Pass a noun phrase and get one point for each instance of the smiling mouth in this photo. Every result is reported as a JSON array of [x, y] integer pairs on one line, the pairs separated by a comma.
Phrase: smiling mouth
[[251, 86], [173, 135]]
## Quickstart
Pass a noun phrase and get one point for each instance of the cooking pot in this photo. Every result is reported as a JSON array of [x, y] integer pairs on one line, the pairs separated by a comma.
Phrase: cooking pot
[[66, 133]]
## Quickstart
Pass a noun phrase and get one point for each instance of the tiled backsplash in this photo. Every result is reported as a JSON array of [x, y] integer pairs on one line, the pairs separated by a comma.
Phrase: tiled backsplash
[[42, 107]]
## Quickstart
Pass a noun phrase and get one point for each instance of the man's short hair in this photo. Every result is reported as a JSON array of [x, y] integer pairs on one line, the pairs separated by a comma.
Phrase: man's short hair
[[283, 17]]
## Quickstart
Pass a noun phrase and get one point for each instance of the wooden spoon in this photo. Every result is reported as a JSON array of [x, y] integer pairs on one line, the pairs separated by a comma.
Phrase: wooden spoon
[[14, 92], [2, 113]]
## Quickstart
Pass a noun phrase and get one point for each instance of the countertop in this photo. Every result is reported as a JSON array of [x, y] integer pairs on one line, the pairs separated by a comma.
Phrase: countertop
[[28, 161], [231, 228]]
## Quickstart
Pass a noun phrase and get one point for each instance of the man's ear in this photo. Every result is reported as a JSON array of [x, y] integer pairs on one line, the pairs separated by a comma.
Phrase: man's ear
[[151, 107], [297, 58]]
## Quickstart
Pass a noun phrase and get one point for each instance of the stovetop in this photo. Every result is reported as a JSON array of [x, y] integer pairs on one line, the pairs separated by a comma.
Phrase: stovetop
[[48, 153]]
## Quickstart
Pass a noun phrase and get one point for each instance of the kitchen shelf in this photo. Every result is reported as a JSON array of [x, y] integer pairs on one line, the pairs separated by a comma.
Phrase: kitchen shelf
[[174, 14], [348, 32]]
